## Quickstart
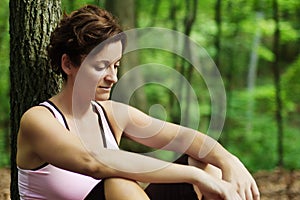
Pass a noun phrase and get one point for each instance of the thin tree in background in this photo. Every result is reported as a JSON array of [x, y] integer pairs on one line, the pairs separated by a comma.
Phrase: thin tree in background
[[218, 18], [31, 79], [174, 108], [217, 59], [184, 68], [191, 13], [276, 73], [251, 79], [127, 18], [154, 10], [219, 112]]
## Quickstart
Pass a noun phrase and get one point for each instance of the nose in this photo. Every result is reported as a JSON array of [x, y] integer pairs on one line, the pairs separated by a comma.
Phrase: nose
[[111, 74]]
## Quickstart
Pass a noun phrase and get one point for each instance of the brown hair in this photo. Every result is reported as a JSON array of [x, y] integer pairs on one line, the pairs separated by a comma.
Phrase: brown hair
[[78, 33]]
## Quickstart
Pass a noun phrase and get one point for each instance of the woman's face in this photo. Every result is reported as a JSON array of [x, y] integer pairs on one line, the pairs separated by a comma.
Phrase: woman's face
[[107, 61], [97, 74]]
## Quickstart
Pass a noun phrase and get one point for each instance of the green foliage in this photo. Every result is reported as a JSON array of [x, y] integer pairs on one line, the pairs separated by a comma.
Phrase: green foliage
[[4, 154], [256, 146], [291, 82], [70, 5], [4, 84], [265, 53], [291, 146], [288, 32]]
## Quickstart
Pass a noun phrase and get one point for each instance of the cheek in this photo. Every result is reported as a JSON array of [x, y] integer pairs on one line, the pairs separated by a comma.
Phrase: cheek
[[99, 82], [95, 78]]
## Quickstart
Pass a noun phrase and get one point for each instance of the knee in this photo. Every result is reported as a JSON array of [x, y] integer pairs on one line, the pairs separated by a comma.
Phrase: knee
[[121, 189]]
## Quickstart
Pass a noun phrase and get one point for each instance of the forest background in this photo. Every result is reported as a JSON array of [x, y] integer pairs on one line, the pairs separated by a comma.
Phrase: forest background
[[255, 45]]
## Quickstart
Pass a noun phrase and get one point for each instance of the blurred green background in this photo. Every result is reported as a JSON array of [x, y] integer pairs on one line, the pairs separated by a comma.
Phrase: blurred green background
[[239, 36]]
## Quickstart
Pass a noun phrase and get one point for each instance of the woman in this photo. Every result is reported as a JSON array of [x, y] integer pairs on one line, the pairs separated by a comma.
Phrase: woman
[[54, 164]]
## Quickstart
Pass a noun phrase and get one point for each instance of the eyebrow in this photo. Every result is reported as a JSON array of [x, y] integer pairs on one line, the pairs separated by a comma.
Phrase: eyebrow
[[107, 62]]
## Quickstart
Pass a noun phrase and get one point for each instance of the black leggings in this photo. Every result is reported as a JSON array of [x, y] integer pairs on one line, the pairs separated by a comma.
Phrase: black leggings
[[172, 191], [97, 193], [155, 191]]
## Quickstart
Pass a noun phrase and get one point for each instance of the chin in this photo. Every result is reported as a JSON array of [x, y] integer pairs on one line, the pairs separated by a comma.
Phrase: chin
[[101, 97]]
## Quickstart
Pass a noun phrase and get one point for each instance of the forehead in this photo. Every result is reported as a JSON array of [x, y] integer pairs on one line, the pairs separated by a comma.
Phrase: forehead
[[110, 52]]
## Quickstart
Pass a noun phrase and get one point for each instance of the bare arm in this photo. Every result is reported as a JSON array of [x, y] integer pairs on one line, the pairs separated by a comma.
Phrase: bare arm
[[52, 143], [160, 134]]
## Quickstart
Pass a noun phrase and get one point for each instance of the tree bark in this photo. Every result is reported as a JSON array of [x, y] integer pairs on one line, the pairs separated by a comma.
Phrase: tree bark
[[31, 79]]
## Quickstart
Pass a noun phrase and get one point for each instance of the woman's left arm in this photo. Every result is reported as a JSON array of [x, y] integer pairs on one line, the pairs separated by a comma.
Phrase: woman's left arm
[[168, 136]]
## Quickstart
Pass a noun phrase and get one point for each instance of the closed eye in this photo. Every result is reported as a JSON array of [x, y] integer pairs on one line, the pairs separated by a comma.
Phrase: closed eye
[[99, 68], [101, 65], [117, 64]]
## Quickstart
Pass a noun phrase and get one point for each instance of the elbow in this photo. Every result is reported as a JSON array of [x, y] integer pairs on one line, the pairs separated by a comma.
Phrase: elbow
[[97, 170]]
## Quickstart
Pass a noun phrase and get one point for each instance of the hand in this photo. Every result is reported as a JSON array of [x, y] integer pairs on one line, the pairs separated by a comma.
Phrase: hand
[[217, 189], [235, 173]]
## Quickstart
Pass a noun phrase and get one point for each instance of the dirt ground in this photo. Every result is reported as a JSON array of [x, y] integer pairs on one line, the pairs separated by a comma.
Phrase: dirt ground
[[4, 184], [275, 185]]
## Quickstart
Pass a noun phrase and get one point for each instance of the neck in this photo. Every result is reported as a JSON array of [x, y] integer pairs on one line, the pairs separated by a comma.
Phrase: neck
[[72, 105], [63, 100]]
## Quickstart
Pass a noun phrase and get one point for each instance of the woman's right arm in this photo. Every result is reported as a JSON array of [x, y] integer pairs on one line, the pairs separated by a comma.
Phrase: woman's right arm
[[54, 144]]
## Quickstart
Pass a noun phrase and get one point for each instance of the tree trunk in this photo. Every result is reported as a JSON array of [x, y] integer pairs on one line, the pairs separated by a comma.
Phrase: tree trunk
[[154, 11], [252, 72], [31, 79], [218, 18], [217, 59], [189, 21], [276, 73], [174, 107]]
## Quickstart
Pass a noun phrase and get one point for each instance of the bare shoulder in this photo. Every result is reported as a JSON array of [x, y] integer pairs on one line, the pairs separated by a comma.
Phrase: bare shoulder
[[125, 115], [37, 115], [36, 110], [29, 134]]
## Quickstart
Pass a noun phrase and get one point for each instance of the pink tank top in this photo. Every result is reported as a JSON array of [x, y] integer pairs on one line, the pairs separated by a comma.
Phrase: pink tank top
[[53, 183]]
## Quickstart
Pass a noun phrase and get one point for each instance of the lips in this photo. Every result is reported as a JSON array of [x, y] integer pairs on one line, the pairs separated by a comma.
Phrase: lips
[[105, 87]]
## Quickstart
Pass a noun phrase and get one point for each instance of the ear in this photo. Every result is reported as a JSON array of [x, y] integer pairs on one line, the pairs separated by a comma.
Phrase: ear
[[66, 64]]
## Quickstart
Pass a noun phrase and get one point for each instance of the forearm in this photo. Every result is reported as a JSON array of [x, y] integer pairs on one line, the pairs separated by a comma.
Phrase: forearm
[[144, 169], [208, 150], [186, 140], [209, 186]]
